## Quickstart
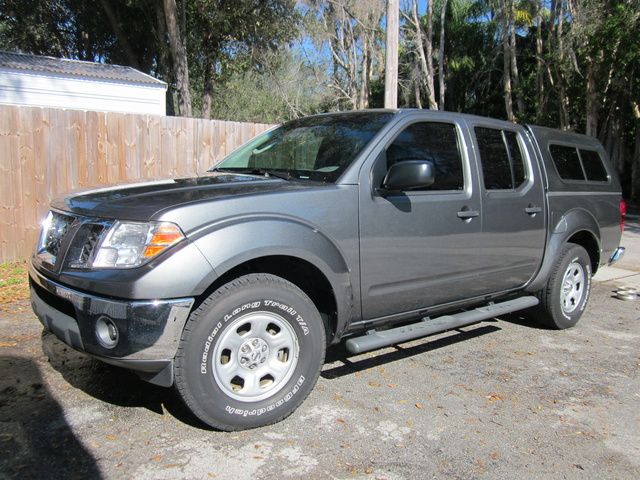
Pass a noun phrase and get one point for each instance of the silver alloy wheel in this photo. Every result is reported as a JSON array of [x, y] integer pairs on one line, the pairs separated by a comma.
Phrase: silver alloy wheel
[[255, 357], [573, 287]]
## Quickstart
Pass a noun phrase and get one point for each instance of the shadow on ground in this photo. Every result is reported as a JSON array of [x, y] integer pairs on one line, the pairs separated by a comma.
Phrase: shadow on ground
[[352, 363], [35, 439], [113, 385]]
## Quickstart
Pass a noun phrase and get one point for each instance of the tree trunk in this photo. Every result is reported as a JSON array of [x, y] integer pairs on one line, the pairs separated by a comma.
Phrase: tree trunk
[[441, 54], [164, 61], [635, 162], [593, 96], [209, 84], [514, 58], [363, 97], [429, 54], [506, 63], [541, 96], [424, 47], [563, 98], [123, 41], [179, 56]]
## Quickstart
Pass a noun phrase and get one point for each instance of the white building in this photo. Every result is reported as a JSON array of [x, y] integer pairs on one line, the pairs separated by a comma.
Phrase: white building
[[38, 81]]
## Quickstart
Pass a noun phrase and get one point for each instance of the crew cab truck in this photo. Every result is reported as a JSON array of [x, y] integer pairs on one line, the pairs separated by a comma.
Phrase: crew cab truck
[[370, 227]]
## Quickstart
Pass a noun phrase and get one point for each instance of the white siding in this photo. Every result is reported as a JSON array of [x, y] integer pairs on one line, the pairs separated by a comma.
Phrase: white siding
[[41, 89]]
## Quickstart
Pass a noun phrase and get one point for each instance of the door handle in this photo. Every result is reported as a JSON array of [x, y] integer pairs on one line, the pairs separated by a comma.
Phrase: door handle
[[468, 214], [532, 209]]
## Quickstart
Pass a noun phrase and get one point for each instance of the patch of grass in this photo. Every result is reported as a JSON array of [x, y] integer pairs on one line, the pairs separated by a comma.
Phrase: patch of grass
[[14, 282]]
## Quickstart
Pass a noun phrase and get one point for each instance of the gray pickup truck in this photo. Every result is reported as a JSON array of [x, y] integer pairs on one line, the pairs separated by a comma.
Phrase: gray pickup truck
[[373, 227]]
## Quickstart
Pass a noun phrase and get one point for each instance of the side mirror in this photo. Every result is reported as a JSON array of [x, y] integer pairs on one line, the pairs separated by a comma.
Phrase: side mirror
[[408, 175]]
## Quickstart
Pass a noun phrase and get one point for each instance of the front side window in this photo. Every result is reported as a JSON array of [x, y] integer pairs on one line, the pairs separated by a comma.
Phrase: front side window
[[435, 142], [501, 158], [316, 148]]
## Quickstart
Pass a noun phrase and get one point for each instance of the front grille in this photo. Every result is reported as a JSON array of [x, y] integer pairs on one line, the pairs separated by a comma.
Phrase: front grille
[[90, 243]]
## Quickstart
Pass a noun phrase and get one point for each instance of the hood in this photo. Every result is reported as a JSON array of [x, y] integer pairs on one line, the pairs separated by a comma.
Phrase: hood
[[144, 201]]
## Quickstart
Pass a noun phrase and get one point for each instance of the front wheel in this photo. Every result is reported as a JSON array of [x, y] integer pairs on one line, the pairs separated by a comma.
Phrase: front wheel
[[250, 354], [565, 297]]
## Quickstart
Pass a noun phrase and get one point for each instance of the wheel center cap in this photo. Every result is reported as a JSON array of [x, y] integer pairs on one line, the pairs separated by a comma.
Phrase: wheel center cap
[[253, 353], [568, 286]]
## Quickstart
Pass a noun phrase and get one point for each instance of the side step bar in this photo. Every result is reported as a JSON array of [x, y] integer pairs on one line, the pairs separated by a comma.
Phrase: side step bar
[[427, 326]]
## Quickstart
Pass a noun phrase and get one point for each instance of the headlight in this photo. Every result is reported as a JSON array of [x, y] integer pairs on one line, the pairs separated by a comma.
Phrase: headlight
[[129, 244]]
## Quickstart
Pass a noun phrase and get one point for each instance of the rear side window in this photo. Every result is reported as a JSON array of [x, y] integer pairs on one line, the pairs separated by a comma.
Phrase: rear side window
[[501, 157], [579, 164], [593, 167]]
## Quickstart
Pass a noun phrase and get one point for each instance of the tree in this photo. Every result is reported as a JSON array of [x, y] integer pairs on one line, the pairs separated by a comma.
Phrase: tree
[[282, 88], [351, 31], [441, 53], [221, 36], [179, 56], [228, 36], [420, 42]]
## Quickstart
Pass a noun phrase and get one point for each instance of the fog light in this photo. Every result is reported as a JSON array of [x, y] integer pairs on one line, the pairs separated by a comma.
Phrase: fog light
[[107, 332]]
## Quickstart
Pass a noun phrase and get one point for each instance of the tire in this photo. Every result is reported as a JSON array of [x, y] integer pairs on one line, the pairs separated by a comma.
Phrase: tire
[[563, 300], [250, 354]]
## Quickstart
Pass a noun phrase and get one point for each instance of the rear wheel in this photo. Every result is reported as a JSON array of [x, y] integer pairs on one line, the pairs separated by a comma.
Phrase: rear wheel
[[250, 354], [565, 297]]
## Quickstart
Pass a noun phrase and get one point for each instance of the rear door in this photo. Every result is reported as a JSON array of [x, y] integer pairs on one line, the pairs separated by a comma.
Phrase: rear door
[[420, 248], [513, 205]]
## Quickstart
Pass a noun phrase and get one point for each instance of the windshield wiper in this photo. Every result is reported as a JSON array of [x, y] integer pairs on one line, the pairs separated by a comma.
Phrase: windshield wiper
[[265, 172]]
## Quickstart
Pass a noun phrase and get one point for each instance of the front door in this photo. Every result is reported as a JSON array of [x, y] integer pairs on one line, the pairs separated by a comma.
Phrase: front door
[[420, 248]]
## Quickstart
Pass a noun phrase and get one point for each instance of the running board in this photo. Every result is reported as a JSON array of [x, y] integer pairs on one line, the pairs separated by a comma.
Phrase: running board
[[428, 326]]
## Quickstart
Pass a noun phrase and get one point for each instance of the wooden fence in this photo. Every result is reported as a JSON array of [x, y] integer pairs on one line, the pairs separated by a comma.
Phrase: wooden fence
[[45, 152]]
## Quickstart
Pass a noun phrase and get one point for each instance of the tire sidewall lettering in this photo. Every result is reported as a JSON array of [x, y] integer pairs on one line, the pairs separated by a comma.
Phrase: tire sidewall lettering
[[273, 302], [280, 308], [256, 412]]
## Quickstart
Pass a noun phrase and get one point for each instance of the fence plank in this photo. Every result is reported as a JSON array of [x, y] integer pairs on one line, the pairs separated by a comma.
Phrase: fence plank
[[152, 153], [25, 203], [8, 163], [45, 152], [40, 139]]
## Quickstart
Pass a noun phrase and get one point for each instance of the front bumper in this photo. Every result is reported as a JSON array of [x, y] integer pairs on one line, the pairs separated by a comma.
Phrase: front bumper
[[140, 335]]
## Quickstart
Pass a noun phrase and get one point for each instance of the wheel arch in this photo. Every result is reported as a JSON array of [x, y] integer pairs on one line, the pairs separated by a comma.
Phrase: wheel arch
[[287, 247], [576, 226], [302, 273]]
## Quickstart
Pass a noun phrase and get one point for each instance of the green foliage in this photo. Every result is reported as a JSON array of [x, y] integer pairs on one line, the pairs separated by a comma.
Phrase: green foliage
[[223, 37], [282, 88]]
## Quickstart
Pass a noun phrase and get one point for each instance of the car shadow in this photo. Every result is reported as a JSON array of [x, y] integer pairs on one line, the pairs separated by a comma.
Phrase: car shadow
[[114, 385], [35, 439], [354, 363]]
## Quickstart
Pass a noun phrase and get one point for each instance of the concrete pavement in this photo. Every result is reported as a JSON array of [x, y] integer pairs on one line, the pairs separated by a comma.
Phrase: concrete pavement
[[626, 272]]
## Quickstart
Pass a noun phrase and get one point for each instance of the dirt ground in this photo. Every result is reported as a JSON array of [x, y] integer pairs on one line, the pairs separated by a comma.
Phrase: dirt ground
[[503, 399]]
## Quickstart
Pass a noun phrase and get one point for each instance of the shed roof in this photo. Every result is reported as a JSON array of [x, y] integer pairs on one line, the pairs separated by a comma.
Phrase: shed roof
[[38, 63]]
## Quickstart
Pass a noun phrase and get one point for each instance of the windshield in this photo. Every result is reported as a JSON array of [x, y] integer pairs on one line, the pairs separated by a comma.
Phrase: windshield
[[315, 148]]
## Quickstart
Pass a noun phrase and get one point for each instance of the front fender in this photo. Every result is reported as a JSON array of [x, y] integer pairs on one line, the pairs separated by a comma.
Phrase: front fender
[[233, 242]]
